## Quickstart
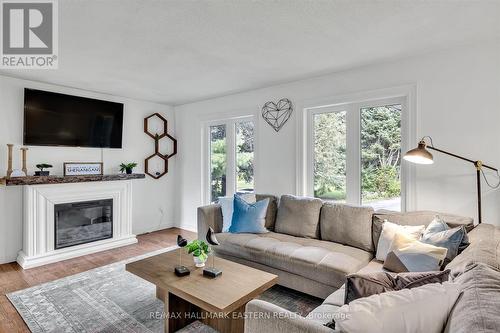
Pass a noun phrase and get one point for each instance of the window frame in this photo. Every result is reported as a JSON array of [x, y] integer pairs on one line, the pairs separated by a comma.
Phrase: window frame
[[353, 105], [231, 176]]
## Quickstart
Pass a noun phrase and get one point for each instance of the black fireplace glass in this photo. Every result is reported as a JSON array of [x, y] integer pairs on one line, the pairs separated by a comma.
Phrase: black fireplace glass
[[83, 222]]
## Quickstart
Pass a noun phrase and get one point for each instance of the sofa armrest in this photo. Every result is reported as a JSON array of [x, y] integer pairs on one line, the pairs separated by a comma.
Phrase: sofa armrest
[[209, 216], [261, 316]]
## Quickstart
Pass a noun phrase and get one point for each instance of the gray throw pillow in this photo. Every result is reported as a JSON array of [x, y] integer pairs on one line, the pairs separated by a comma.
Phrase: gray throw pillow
[[298, 216], [438, 233], [364, 285]]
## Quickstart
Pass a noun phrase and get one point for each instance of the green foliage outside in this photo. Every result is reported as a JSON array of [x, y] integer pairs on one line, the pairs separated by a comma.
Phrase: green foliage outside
[[244, 158], [380, 154]]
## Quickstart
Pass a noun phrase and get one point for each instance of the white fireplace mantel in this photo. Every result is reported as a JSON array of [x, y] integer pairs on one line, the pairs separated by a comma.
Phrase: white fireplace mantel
[[38, 228]]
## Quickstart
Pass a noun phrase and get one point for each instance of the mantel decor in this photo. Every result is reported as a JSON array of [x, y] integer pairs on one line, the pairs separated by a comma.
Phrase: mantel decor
[[421, 155], [82, 168], [157, 136], [277, 114]]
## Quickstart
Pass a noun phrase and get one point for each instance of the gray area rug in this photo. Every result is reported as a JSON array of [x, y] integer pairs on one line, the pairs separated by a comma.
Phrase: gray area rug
[[109, 299]]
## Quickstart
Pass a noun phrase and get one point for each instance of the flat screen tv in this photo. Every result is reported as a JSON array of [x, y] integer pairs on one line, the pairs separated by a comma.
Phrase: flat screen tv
[[52, 119]]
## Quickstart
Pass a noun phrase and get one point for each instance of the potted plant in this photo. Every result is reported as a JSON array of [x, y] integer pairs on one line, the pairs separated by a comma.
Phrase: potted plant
[[128, 168], [200, 250], [41, 167]]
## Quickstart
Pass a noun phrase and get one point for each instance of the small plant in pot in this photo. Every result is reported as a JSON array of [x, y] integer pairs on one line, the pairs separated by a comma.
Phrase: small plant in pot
[[200, 250], [127, 167], [41, 167]]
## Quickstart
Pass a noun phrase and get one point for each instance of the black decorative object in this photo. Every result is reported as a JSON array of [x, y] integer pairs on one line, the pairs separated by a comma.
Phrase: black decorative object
[[277, 114], [181, 270], [212, 272], [157, 137]]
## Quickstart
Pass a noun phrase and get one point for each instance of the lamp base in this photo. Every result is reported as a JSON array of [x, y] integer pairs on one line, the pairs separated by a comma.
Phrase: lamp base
[[212, 272], [182, 271]]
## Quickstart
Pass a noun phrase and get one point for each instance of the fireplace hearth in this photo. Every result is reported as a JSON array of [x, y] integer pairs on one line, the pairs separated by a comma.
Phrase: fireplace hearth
[[82, 222]]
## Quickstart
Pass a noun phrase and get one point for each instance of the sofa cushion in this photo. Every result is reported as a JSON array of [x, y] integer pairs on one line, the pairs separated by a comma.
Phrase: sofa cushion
[[416, 218], [321, 261], [348, 225], [364, 285], [478, 308], [484, 248], [298, 216], [272, 209], [421, 309], [409, 255]]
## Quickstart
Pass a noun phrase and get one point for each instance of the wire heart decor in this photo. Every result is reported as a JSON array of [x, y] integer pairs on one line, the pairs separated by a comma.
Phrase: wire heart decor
[[277, 114]]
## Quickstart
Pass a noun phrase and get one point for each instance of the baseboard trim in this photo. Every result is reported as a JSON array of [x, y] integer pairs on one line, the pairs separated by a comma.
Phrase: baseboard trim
[[27, 262]]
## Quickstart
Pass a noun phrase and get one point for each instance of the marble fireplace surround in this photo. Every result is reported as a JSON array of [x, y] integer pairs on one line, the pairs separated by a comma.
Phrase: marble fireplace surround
[[38, 219]]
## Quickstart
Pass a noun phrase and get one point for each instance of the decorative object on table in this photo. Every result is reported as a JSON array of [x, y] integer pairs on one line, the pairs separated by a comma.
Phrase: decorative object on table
[[421, 155], [212, 272], [200, 250], [127, 168], [23, 155], [159, 133], [277, 114], [181, 270], [42, 166], [82, 168], [9, 160]]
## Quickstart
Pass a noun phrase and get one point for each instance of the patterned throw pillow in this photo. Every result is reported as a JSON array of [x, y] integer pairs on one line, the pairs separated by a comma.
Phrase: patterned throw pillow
[[389, 229], [364, 285], [409, 255], [438, 233]]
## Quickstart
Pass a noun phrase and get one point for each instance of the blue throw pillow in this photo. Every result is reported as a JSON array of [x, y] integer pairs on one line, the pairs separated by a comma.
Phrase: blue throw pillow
[[249, 217], [438, 233]]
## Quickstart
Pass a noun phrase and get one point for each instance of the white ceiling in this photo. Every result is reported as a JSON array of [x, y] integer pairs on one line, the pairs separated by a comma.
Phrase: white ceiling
[[180, 51]]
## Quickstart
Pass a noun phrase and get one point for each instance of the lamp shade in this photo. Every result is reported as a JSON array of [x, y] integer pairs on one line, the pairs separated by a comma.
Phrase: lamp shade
[[419, 155]]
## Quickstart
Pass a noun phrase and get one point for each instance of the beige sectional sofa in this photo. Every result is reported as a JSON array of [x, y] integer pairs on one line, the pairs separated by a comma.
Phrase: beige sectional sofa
[[312, 246]]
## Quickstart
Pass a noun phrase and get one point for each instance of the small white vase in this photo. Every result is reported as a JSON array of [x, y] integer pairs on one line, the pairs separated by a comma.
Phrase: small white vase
[[199, 262]]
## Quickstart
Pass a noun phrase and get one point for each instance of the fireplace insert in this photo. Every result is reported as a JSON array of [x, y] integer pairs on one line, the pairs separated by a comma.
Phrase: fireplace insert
[[82, 222]]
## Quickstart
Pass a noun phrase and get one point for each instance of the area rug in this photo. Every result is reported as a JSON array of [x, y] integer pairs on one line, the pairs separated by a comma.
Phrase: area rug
[[109, 299]]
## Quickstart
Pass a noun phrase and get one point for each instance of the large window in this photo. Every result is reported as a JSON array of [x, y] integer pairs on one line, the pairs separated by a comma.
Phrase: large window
[[355, 153], [231, 146]]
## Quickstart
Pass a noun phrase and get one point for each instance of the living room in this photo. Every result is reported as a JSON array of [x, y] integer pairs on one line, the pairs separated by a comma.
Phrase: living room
[[277, 145]]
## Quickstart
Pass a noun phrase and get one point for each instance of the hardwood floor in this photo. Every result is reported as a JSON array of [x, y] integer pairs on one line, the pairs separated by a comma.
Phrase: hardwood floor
[[13, 277]]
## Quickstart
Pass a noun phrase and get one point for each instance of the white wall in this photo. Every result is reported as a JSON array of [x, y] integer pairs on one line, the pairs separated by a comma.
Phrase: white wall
[[457, 103], [154, 200]]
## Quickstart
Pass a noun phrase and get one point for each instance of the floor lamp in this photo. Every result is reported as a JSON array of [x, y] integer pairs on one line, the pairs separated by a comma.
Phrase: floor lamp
[[421, 155]]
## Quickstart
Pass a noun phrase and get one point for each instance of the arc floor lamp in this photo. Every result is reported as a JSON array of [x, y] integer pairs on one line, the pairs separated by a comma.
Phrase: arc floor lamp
[[421, 155]]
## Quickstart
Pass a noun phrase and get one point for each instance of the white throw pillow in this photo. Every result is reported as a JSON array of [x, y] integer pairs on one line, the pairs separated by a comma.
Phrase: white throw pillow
[[389, 229], [227, 206], [415, 310]]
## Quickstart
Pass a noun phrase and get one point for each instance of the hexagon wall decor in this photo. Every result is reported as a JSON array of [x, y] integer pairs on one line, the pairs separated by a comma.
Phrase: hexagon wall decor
[[160, 133]]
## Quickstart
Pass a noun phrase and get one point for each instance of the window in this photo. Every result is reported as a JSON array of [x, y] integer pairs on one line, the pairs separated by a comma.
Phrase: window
[[355, 153], [330, 155], [218, 162], [231, 156]]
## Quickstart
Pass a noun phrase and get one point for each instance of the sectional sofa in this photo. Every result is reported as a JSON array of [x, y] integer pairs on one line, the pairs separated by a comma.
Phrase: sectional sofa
[[313, 245]]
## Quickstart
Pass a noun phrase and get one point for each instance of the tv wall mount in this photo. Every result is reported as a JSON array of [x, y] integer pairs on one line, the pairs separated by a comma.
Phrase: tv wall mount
[[162, 158]]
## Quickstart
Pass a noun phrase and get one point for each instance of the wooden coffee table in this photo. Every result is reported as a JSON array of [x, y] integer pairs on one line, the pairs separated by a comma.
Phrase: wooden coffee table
[[219, 303]]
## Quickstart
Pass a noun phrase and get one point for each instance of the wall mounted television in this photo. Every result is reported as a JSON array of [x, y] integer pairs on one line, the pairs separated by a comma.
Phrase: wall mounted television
[[52, 119]]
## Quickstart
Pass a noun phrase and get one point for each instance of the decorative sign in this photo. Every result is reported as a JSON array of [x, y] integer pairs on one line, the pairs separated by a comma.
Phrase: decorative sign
[[82, 168]]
